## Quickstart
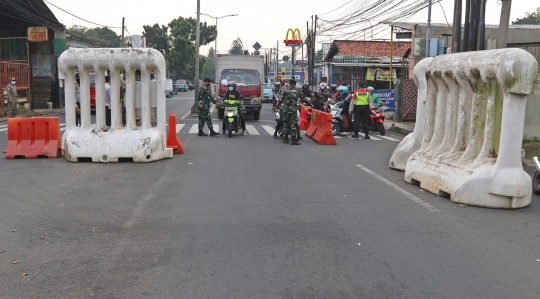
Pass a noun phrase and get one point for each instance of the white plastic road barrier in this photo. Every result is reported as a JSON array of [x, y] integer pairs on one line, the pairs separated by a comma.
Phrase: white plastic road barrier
[[469, 130], [102, 143]]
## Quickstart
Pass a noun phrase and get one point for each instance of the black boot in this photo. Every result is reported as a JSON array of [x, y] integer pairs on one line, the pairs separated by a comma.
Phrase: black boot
[[355, 135], [286, 139], [201, 133], [275, 134], [294, 141], [213, 133], [366, 136]]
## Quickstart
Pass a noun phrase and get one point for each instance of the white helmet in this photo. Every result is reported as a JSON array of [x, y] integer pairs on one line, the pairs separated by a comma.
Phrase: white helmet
[[370, 88]]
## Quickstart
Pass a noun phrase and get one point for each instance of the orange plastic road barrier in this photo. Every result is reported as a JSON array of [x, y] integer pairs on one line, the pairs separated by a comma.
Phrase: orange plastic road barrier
[[172, 139], [320, 129], [33, 137], [304, 123]]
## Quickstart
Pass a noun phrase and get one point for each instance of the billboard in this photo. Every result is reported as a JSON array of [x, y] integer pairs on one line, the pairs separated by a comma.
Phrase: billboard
[[387, 95], [138, 41]]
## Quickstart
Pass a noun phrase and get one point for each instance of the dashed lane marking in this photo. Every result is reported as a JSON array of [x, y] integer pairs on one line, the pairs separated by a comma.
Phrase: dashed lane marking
[[399, 189]]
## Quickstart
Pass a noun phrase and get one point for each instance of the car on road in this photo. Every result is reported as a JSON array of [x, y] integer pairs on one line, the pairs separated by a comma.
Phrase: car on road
[[268, 95], [182, 85]]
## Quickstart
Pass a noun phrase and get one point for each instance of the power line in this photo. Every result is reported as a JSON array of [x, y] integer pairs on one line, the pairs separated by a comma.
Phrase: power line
[[81, 18]]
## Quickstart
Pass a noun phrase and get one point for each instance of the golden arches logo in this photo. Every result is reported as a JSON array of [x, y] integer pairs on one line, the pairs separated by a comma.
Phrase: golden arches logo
[[296, 37]]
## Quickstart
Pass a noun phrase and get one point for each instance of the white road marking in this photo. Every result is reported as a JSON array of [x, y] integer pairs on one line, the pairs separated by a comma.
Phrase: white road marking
[[399, 189], [62, 129], [4, 129], [390, 138], [194, 129], [252, 131], [216, 128], [179, 127], [374, 138], [185, 115], [268, 129], [336, 136], [3, 126]]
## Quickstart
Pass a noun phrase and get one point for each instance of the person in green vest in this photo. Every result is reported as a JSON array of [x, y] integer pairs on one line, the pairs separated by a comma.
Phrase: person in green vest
[[374, 97], [361, 108]]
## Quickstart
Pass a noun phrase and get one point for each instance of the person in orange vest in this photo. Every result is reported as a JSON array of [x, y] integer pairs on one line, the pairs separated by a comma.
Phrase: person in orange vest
[[361, 108]]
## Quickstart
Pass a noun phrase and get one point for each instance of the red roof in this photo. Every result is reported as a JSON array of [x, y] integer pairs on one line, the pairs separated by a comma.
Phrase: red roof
[[370, 48]]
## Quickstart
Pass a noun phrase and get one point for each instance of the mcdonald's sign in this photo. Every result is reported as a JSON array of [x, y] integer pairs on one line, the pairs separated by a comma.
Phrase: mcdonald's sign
[[296, 37]]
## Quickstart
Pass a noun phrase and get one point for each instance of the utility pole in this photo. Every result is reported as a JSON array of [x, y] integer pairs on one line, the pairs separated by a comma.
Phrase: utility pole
[[277, 58], [456, 45], [194, 110], [122, 33], [428, 33], [482, 27], [467, 25], [472, 25], [502, 38]]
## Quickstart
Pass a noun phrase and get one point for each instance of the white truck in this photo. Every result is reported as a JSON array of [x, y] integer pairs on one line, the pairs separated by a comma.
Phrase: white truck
[[247, 71]]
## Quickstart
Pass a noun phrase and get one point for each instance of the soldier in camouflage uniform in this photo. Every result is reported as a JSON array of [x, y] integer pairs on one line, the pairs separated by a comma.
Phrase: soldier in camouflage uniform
[[290, 98], [203, 104], [12, 97]]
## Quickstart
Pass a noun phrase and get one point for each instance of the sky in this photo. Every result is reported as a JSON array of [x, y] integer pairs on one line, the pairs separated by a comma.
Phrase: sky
[[262, 22]]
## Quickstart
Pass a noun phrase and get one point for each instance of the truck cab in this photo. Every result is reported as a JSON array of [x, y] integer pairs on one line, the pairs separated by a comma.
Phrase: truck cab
[[248, 84]]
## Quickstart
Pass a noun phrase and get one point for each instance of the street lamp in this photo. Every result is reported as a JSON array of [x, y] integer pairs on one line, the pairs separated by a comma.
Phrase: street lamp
[[215, 47]]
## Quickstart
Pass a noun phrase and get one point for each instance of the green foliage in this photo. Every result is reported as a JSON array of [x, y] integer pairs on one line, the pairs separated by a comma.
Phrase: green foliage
[[98, 37], [211, 53], [237, 47], [157, 37], [246, 52], [208, 69], [529, 19], [177, 42], [318, 55]]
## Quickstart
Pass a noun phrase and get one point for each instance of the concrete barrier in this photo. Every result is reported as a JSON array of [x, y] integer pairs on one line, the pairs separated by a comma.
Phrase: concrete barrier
[[470, 118], [101, 143]]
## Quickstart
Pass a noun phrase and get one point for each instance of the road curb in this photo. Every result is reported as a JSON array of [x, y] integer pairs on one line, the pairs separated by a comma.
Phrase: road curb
[[400, 130]]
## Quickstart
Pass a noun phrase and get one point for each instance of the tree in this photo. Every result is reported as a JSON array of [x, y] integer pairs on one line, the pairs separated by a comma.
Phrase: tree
[[237, 47], [98, 37], [246, 52], [211, 54], [318, 55], [157, 37], [529, 19]]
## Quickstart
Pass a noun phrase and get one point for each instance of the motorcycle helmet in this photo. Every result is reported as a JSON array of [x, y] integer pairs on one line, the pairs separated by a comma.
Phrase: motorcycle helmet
[[231, 83], [343, 89], [370, 88], [333, 87], [323, 86]]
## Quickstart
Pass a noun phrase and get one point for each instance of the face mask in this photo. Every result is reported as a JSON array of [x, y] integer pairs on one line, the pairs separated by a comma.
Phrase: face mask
[[322, 87], [12, 82], [230, 88]]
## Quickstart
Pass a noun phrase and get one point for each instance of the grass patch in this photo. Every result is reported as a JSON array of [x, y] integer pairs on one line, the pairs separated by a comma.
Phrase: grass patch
[[531, 147]]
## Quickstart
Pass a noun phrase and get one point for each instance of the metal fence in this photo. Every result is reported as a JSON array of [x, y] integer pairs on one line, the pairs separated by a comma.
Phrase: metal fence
[[409, 98], [21, 71], [13, 49]]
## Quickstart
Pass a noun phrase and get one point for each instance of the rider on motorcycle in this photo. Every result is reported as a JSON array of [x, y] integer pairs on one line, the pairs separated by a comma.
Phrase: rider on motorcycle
[[333, 90], [233, 94], [374, 97]]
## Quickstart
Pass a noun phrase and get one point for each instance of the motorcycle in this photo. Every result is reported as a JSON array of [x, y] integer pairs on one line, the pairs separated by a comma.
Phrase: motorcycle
[[536, 176], [277, 118], [376, 118], [231, 116], [340, 122]]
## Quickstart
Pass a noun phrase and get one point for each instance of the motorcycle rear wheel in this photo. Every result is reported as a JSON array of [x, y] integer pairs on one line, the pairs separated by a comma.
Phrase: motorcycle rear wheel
[[536, 183]]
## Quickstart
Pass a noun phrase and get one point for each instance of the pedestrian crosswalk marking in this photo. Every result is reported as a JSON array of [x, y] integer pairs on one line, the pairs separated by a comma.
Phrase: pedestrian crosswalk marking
[[268, 129], [336, 136], [374, 138], [251, 130], [179, 127], [194, 129], [390, 138], [216, 128]]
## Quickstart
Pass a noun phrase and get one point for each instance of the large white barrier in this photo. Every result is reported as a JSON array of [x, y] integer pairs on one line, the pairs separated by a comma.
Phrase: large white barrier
[[144, 143], [469, 130]]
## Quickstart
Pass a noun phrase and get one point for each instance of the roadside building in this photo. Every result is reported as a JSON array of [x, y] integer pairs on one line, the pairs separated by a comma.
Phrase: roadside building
[[351, 61], [31, 38]]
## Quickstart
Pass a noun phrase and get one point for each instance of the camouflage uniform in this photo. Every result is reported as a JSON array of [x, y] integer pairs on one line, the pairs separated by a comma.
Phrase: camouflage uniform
[[203, 105], [290, 98], [13, 100]]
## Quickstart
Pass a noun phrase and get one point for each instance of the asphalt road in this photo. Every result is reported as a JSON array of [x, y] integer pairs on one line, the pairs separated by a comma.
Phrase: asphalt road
[[250, 217]]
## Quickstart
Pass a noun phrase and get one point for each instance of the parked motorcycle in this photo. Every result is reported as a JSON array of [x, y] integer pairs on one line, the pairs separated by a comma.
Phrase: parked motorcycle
[[536, 176], [231, 116]]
